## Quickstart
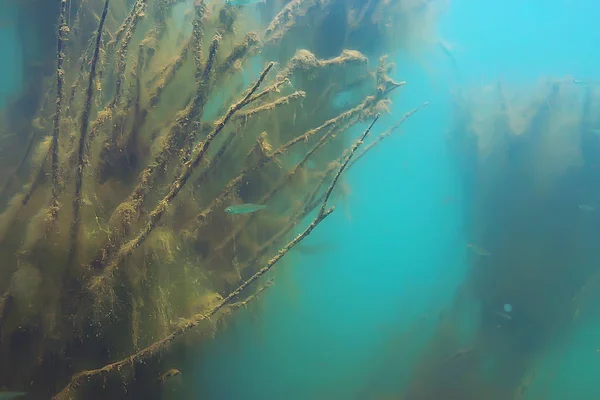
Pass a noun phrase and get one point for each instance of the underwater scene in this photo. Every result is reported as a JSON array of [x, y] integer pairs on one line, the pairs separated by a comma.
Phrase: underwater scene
[[299, 199]]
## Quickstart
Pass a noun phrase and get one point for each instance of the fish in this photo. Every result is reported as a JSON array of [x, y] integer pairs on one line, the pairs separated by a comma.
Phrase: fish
[[586, 207], [478, 250], [11, 395], [244, 208], [169, 374], [243, 2], [596, 131]]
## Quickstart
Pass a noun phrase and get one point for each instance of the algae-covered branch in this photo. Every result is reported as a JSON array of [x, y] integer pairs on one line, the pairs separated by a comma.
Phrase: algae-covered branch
[[161, 173], [528, 156]]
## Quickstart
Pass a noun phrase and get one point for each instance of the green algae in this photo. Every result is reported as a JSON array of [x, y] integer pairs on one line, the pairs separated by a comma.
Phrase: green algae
[[116, 244]]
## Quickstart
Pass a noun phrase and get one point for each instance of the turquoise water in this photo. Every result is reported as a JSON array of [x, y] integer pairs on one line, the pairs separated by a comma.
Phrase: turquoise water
[[349, 321], [325, 327], [10, 62], [346, 324]]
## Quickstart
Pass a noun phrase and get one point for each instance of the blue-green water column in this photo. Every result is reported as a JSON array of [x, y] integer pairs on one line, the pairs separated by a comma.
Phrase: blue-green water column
[[346, 322], [10, 49]]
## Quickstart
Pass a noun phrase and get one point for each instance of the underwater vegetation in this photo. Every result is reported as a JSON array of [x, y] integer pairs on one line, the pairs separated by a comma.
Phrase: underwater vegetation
[[529, 159], [178, 151]]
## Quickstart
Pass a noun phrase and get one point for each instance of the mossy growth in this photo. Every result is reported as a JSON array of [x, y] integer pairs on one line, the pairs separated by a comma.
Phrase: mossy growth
[[528, 156], [113, 236]]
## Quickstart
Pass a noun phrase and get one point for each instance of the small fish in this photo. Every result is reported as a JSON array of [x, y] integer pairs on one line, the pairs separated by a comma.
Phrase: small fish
[[478, 250], [244, 208], [11, 395], [170, 373], [507, 308], [243, 2], [586, 207]]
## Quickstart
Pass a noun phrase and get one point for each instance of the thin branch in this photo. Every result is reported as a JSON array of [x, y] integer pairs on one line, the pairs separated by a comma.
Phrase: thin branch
[[355, 146], [204, 78], [138, 13], [200, 150], [388, 132], [327, 137], [83, 60], [110, 46], [331, 123], [129, 211], [152, 350], [85, 118], [253, 296], [245, 116], [63, 29]]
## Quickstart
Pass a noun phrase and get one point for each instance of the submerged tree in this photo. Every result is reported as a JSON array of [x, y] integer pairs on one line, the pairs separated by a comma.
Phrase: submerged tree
[[529, 161], [118, 242]]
